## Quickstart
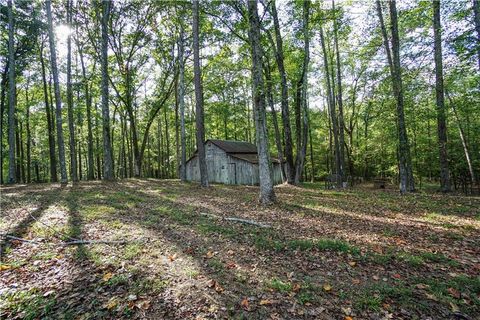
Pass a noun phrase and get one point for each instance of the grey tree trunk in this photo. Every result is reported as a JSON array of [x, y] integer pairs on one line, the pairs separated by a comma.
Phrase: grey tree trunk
[[29, 136], [341, 122], [12, 178], [332, 113], [50, 124], [58, 99], [303, 110], [476, 17], [71, 129], [290, 167], [440, 95], [199, 118], [181, 104], [267, 194], [107, 145]]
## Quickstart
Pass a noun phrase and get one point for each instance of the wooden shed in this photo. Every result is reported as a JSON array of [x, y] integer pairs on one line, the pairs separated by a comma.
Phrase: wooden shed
[[231, 162]]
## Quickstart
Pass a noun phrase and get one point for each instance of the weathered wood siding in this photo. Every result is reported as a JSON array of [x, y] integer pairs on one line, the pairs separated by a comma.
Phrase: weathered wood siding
[[223, 168]]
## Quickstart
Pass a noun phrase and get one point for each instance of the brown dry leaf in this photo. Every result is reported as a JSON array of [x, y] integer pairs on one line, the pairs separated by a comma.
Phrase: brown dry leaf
[[265, 302], [209, 254], [211, 283], [107, 276], [355, 281], [112, 303], [218, 288], [172, 257], [143, 304], [454, 293], [231, 265], [352, 263], [327, 287], [245, 304], [376, 278], [296, 287], [5, 267], [348, 318], [396, 276]]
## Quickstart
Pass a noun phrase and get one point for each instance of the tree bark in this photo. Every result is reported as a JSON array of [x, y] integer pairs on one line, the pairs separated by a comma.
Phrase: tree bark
[[181, 103], [267, 194], [107, 145], [71, 129], [440, 96], [290, 168], [199, 117], [12, 178], [341, 122], [476, 16], [50, 125], [58, 99], [29, 136]]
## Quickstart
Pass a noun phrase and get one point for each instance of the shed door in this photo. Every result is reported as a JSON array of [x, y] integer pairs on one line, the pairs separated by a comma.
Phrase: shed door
[[232, 173]]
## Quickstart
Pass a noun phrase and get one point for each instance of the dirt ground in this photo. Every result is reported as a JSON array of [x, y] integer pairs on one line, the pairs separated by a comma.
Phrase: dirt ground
[[170, 254]]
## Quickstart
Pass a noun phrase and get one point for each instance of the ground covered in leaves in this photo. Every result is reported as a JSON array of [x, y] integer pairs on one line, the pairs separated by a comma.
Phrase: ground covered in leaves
[[353, 254]]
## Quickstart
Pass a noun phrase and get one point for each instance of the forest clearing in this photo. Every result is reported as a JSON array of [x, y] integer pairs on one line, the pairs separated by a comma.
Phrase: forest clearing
[[359, 253]]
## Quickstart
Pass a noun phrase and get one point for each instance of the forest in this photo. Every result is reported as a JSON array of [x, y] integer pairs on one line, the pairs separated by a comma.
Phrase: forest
[[114, 115]]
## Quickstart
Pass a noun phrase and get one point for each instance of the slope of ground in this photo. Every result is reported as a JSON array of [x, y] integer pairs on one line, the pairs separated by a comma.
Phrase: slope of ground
[[360, 253]]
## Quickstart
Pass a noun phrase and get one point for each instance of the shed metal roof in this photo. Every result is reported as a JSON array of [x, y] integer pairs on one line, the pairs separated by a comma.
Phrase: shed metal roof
[[230, 146]]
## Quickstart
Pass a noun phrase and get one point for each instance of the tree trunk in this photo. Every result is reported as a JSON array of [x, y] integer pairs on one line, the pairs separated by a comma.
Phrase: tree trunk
[[50, 124], [3, 85], [58, 99], [341, 122], [290, 168], [267, 194], [107, 145], [11, 97], [71, 129], [199, 118], [302, 103], [440, 95], [333, 116], [29, 136], [181, 103]]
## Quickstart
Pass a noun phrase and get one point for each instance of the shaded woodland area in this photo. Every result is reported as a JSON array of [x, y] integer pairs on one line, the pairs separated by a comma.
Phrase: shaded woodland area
[[369, 111]]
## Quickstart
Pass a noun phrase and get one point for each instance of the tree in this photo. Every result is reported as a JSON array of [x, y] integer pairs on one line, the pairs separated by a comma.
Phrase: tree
[[11, 97], [73, 153], [440, 97], [107, 145], [476, 17], [267, 194], [199, 117], [181, 102], [58, 99]]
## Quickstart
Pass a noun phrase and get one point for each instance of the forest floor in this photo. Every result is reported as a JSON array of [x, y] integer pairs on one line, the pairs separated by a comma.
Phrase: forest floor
[[355, 254]]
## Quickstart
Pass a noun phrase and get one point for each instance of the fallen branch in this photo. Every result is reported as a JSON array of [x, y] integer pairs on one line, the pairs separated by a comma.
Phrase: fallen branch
[[234, 219], [80, 242], [20, 239]]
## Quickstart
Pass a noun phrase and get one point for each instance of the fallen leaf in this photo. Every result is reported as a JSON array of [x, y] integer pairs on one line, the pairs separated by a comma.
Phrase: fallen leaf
[[211, 283], [112, 303], [355, 281], [396, 276], [172, 257], [218, 288], [352, 263], [132, 297], [327, 287], [376, 278], [265, 302], [46, 294], [348, 318], [231, 265], [347, 310], [107, 276], [144, 304], [296, 287], [209, 254], [454, 307], [245, 304], [454, 292], [5, 267]]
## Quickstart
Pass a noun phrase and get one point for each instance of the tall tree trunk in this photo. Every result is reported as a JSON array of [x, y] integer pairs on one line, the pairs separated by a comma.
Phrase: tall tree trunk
[[58, 99], [3, 85], [29, 136], [11, 97], [97, 145], [181, 103], [440, 95], [107, 144], [332, 113], [267, 194], [278, 137], [290, 167], [303, 104], [71, 129], [50, 125], [404, 159], [199, 118], [341, 122], [476, 16]]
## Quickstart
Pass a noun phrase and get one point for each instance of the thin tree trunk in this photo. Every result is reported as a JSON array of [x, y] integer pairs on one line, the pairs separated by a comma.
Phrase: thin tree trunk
[[58, 100], [3, 85], [290, 167], [11, 97], [181, 103], [107, 144], [88, 102], [29, 137], [476, 16], [440, 95], [332, 113], [199, 117], [267, 194], [71, 129], [50, 124], [341, 122]]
